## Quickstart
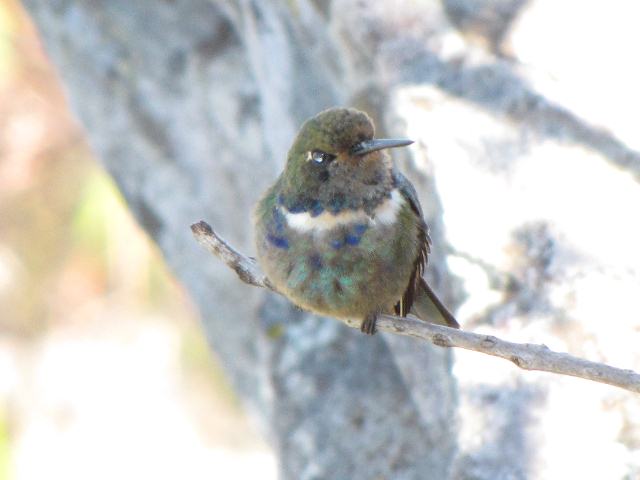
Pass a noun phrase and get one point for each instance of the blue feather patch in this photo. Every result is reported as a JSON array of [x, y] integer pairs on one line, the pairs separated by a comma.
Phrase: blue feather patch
[[360, 228], [317, 209], [278, 242], [352, 239], [355, 236]]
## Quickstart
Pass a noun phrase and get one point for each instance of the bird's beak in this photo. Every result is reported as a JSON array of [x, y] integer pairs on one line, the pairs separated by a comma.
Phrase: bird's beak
[[369, 146]]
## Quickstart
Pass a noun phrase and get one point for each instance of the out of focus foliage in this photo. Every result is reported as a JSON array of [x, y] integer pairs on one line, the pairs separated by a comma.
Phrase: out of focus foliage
[[80, 283]]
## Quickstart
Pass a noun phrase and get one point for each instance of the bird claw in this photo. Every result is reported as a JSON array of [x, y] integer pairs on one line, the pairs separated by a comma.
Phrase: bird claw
[[368, 325]]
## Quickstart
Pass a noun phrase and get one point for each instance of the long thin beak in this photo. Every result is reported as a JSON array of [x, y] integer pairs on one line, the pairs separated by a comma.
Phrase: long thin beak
[[369, 146]]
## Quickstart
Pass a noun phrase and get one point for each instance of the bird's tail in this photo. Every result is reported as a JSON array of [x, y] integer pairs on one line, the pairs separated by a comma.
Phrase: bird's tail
[[428, 307]]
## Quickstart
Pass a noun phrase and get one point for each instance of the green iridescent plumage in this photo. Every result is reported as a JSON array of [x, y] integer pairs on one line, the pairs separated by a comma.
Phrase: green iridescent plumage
[[341, 232]]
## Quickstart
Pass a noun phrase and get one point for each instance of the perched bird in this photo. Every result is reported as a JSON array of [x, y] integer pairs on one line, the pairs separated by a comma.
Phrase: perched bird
[[341, 232]]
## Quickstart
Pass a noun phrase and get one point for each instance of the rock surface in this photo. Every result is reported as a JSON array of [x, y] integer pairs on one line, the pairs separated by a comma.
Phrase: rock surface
[[191, 105]]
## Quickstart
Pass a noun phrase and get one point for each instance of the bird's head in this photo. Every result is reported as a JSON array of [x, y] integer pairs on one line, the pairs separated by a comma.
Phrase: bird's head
[[336, 161]]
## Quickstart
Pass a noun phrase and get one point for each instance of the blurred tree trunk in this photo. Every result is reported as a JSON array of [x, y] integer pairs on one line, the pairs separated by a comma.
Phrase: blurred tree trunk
[[191, 106]]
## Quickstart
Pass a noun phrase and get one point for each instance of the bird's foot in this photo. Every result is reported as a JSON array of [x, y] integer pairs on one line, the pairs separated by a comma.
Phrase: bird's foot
[[368, 325]]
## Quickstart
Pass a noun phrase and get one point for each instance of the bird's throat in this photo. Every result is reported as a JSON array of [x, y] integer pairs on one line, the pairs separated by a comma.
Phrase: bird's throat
[[385, 213]]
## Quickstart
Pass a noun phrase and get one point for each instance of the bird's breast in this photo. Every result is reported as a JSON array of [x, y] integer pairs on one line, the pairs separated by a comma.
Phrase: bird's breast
[[385, 214], [344, 264]]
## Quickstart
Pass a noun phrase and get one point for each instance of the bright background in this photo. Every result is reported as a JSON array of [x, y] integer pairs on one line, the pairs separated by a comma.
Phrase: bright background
[[104, 372]]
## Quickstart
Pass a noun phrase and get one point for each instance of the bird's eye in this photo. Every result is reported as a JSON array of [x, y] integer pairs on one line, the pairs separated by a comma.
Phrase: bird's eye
[[320, 157]]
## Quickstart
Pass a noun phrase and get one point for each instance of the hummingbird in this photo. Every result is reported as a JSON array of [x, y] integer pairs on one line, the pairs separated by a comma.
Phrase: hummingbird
[[341, 231]]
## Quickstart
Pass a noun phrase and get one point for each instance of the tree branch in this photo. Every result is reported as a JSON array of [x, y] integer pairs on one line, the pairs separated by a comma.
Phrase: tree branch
[[524, 355]]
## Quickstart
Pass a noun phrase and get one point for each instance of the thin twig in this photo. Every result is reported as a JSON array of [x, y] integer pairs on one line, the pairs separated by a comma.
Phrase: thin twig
[[246, 267], [524, 355]]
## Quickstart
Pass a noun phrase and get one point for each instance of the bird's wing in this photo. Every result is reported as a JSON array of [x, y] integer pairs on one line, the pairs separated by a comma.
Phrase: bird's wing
[[409, 193], [418, 290]]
